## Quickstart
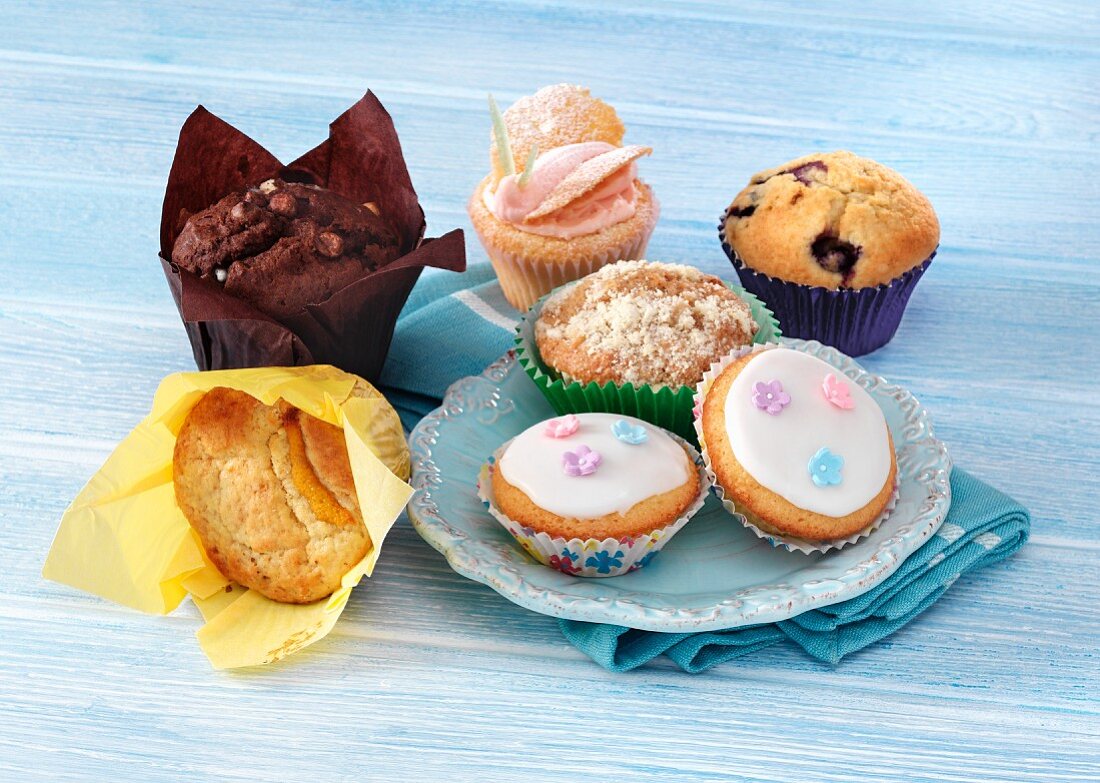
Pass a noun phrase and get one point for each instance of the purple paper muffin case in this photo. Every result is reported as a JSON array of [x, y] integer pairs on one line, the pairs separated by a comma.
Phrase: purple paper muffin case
[[855, 321]]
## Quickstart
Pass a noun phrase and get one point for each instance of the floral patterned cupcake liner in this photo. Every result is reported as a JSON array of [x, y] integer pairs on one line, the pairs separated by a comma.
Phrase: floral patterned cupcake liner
[[854, 321], [665, 406], [759, 527], [591, 557]]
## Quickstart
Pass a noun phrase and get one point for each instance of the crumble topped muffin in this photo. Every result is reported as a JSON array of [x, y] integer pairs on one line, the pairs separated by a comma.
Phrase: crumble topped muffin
[[834, 220], [642, 322]]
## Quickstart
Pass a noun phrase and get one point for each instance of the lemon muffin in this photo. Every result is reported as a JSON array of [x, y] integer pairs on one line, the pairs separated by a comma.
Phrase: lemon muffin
[[563, 197], [799, 449], [270, 492], [642, 322], [834, 243], [594, 483]]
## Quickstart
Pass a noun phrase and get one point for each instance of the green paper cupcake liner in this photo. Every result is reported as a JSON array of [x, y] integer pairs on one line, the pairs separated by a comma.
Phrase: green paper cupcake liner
[[668, 407]]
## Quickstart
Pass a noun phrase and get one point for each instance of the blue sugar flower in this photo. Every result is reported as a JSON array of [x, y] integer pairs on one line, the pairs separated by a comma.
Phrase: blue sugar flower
[[603, 561], [825, 467], [634, 434]]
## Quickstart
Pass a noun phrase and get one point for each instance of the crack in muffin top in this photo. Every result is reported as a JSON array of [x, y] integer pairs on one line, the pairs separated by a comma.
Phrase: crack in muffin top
[[835, 220]]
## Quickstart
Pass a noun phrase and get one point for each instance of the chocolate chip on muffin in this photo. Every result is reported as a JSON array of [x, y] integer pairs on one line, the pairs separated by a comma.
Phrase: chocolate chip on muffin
[[283, 245]]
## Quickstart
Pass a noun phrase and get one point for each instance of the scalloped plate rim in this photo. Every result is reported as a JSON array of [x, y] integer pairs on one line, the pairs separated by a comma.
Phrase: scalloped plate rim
[[760, 604]]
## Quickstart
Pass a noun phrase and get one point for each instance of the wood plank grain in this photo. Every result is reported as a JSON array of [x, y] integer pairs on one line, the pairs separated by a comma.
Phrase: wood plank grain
[[114, 129], [991, 110]]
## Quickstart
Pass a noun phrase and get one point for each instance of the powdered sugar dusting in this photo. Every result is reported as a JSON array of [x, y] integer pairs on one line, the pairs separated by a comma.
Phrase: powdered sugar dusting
[[555, 116], [643, 322]]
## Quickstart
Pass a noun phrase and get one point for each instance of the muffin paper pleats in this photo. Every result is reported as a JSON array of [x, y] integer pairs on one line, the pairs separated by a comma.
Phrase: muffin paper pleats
[[854, 321], [124, 538], [524, 280], [352, 329], [667, 407]]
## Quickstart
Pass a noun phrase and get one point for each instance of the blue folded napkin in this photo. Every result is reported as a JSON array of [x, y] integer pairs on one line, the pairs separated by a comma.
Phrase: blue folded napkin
[[455, 325]]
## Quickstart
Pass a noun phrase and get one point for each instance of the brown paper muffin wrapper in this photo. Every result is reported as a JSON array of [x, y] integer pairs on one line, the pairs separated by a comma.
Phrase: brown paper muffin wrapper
[[668, 407], [524, 280], [758, 526], [591, 557], [352, 329], [855, 321]]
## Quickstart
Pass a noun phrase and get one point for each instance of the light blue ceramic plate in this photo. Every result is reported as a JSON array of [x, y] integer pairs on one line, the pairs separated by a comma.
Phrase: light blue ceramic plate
[[714, 574]]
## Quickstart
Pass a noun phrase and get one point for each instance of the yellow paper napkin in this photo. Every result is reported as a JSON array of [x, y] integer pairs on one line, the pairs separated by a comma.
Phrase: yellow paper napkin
[[124, 538]]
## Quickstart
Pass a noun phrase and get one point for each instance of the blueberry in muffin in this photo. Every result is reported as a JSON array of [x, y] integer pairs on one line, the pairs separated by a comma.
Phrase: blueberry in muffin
[[834, 220]]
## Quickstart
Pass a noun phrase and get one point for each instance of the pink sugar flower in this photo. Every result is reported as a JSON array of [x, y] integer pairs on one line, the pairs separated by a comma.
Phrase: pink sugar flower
[[837, 392], [563, 427]]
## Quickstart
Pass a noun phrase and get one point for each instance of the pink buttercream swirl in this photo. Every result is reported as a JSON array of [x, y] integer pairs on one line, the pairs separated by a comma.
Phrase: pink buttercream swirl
[[611, 201]]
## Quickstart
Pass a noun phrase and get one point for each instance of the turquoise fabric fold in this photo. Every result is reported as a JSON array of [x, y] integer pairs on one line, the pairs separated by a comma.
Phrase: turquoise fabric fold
[[455, 325], [983, 527]]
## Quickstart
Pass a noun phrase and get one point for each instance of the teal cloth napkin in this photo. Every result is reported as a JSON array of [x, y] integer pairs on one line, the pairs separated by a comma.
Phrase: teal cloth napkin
[[455, 325]]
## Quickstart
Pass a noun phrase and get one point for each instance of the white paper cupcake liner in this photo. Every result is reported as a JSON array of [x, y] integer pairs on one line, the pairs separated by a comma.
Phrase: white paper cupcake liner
[[748, 519], [524, 281], [591, 557]]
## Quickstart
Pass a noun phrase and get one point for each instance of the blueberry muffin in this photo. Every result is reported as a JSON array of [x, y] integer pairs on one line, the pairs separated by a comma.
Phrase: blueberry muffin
[[270, 492], [284, 245], [642, 322], [834, 220], [834, 243]]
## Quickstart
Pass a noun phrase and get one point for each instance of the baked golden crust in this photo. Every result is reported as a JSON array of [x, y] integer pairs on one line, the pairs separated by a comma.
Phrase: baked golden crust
[[538, 248], [642, 322], [644, 517], [269, 490], [553, 117], [772, 511], [832, 220]]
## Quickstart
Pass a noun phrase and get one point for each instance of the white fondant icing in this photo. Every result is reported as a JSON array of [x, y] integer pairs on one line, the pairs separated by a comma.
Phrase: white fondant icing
[[775, 450], [627, 475]]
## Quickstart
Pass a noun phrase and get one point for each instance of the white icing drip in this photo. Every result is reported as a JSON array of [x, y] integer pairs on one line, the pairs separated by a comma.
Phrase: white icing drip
[[776, 450], [627, 475]]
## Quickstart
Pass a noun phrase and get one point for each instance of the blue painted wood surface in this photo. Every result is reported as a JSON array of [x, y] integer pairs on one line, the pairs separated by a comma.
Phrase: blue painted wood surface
[[990, 108]]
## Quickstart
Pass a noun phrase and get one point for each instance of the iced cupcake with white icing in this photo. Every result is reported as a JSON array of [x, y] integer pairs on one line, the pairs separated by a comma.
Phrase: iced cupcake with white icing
[[563, 197], [594, 494], [801, 451]]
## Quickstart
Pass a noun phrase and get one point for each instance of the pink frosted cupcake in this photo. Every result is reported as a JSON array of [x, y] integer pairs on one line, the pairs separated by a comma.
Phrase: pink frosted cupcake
[[563, 198]]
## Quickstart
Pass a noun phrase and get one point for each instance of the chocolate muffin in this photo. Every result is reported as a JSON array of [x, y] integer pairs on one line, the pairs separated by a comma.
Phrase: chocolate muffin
[[284, 245]]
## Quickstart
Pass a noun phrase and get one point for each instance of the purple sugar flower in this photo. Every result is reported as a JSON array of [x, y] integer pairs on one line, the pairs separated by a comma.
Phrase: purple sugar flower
[[582, 462], [769, 397]]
